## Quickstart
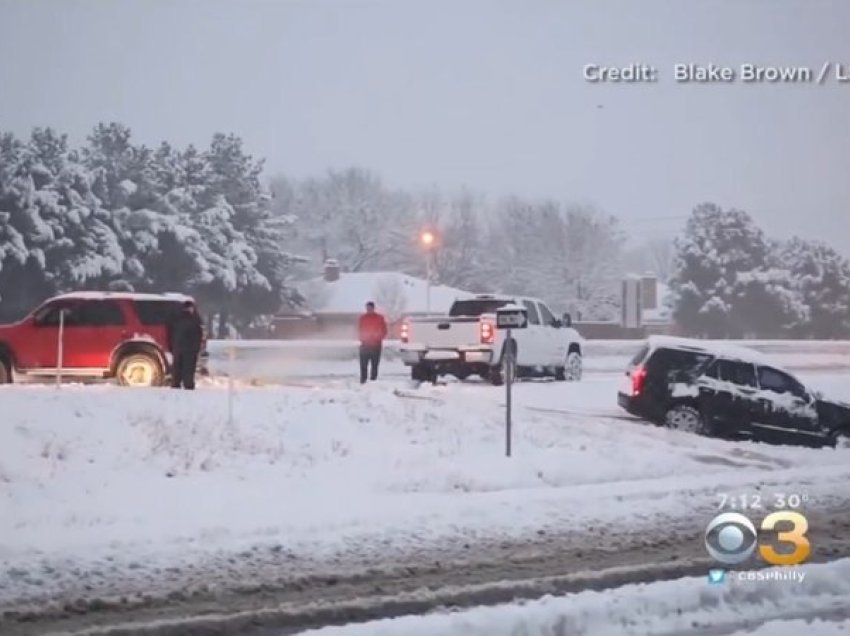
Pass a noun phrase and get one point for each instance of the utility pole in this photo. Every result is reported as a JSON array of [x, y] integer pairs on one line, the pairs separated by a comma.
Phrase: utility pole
[[428, 239]]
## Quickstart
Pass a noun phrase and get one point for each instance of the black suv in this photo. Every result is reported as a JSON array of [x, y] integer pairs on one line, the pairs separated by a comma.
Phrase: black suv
[[728, 391]]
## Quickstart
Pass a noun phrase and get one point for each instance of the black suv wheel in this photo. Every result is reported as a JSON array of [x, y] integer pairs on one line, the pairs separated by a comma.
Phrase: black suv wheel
[[840, 438], [684, 417]]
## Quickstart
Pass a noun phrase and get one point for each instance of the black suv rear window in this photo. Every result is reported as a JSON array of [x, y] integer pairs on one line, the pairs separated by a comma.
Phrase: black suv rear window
[[640, 355], [156, 312], [666, 360], [475, 308]]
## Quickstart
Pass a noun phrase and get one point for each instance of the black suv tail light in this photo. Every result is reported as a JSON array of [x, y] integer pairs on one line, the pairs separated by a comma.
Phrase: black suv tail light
[[638, 375]]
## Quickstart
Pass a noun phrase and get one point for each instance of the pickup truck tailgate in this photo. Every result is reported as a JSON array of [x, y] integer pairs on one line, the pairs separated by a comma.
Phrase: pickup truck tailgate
[[445, 333]]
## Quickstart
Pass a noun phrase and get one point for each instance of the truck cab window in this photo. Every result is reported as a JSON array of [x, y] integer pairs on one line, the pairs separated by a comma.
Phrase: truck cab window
[[533, 316]]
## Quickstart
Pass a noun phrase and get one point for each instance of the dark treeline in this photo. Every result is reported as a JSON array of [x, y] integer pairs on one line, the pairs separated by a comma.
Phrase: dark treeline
[[117, 215], [568, 255]]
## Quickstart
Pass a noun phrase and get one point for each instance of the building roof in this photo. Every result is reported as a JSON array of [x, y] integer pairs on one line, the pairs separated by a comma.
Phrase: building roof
[[392, 292]]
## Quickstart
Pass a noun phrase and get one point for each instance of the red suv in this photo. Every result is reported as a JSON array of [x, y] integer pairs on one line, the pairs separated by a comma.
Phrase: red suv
[[104, 335]]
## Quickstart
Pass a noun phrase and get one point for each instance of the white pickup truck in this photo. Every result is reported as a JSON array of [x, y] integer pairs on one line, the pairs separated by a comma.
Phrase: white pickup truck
[[466, 342]]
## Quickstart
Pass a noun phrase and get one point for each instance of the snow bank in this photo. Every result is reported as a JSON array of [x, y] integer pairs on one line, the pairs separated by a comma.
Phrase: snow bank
[[784, 628], [682, 606], [139, 481]]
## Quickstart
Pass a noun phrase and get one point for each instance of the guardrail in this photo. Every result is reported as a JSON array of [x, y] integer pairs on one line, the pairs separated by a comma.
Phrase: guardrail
[[277, 358], [345, 349]]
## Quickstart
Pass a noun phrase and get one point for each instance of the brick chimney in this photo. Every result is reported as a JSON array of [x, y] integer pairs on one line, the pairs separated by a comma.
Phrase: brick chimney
[[649, 292], [331, 270]]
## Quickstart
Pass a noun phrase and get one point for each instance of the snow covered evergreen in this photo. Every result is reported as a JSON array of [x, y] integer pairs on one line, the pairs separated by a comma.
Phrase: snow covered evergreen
[[116, 215], [730, 280], [822, 281]]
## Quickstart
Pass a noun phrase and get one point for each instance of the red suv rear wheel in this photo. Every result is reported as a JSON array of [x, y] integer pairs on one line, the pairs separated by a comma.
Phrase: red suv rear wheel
[[139, 370]]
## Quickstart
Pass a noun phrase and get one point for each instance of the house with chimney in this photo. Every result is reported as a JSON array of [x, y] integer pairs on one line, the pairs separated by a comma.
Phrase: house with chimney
[[336, 299]]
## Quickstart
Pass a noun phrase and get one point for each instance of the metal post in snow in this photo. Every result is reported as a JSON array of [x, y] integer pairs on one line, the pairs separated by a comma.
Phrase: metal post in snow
[[428, 281], [509, 317], [231, 355], [60, 348], [509, 378]]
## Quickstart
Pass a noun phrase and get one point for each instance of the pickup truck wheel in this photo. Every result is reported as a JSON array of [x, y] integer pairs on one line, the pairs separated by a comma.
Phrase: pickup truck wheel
[[419, 373], [5, 373], [573, 367], [499, 374], [495, 376], [139, 370]]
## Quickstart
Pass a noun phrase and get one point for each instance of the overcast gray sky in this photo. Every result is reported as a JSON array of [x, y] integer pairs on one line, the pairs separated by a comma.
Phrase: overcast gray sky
[[488, 95]]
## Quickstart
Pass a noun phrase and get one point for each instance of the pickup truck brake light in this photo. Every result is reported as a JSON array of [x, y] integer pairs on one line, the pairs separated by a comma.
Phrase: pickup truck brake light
[[488, 334], [405, 331]]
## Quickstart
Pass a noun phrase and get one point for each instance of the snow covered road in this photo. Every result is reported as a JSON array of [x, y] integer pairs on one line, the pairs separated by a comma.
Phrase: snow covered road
[[819, 605], [129, 499]]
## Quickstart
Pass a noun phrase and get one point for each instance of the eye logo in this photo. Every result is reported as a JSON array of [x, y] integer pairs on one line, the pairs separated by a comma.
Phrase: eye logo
[[730, 538]]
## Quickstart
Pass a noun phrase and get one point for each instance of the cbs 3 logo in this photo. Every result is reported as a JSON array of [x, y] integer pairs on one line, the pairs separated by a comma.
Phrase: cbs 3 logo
[[731, 538]]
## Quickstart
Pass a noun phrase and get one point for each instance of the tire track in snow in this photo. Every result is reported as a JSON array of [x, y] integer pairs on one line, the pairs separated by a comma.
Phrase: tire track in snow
[[488, 572], [501, 574]]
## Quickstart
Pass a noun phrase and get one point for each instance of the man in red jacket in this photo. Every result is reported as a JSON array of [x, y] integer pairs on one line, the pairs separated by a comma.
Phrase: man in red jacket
[[373, 330]]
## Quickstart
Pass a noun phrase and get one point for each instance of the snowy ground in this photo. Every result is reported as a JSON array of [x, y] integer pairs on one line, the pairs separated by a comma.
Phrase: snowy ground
[[105, 490], [819, 605]]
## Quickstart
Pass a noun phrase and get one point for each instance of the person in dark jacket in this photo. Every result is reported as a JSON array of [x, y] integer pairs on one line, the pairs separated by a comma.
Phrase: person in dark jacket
[[185, 336], [373, 330]]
